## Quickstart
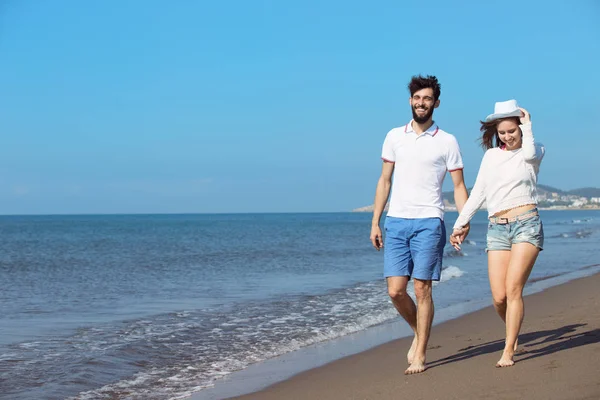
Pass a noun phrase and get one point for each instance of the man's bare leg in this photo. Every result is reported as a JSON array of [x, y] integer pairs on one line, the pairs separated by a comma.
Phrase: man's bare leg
[[522, 258], [405, 305], [425, 312]]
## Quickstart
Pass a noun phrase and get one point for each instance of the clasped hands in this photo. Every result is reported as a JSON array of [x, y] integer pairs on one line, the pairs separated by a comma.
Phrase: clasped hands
[[458, 236]]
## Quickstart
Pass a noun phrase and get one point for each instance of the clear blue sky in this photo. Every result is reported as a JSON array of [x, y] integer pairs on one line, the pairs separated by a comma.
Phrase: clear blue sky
[[260, 106]]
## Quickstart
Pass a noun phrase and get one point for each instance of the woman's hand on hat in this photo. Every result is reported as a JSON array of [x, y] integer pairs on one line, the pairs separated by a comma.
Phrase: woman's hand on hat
[[525, 117]]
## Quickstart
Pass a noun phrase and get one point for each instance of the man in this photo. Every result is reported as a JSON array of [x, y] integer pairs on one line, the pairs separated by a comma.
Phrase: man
[[421, 154]]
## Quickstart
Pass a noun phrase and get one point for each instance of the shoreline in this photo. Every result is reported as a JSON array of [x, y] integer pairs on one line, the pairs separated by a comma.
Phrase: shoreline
[[557, 359], [262, 378]]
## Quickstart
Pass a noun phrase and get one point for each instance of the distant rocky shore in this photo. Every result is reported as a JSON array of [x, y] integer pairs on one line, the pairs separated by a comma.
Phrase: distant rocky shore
[[453, 208], [550, 198]]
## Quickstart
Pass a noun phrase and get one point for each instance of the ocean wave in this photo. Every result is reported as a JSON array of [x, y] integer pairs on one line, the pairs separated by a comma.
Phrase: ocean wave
[[451, 272], [581, 221], [173, 355], [579, 234]]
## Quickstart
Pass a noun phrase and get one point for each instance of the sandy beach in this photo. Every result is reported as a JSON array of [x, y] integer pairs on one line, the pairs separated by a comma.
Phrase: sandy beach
[[558, 358]]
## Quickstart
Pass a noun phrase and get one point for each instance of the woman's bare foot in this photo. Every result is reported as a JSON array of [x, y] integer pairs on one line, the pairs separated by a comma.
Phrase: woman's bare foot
[[516, 345], [506, 360], [416, 367], [411, 351]]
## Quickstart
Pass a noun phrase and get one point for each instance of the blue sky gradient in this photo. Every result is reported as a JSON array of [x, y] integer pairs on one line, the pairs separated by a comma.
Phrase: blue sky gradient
[[269, 106]]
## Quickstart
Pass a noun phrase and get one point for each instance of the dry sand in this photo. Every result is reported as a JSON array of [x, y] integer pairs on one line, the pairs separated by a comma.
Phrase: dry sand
[[558, 358]]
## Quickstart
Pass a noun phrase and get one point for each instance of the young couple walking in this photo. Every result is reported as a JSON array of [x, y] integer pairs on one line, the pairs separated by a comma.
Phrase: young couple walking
[[416, 157]]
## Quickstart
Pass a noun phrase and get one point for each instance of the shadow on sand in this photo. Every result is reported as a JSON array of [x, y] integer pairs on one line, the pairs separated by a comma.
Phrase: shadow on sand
[[531, 345]]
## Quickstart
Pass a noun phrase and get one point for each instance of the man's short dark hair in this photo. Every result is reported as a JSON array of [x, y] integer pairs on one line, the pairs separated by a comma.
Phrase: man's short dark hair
[[419, 82]]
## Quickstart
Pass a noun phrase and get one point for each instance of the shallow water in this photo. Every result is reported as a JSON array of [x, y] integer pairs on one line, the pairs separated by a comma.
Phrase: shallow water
[[157, 306]]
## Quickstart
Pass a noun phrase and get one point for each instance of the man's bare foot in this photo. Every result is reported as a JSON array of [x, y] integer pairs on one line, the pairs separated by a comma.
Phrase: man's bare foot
[[505, 361], [411, 351], [416, 367]]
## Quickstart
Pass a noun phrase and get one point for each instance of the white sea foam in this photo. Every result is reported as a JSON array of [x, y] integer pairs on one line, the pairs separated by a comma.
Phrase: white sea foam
[[451, 272], [210, 346]]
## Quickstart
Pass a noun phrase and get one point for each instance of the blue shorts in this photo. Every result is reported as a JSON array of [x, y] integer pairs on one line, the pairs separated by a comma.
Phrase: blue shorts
[[503, 236], [414, 248]]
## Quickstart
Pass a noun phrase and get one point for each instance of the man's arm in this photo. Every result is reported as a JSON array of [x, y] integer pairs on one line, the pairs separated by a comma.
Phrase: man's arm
[[460, 190], [460, 198], [381, 195]]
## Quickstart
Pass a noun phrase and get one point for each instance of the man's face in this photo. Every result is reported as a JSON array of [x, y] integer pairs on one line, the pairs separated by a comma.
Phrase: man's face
[[423, 104]]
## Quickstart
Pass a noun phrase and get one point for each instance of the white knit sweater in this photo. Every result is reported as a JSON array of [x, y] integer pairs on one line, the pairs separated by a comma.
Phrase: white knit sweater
[[506, 179]]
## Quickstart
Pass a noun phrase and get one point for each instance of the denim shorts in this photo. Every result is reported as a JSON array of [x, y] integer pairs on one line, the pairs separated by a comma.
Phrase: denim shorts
[[503, 236], [414, 248]]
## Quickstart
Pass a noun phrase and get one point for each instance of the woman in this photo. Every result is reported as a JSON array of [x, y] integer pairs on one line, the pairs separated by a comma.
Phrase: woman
[[507, 182]]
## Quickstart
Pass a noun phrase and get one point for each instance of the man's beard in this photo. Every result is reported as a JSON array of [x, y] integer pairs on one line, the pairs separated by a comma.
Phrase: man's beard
[[424, 118]]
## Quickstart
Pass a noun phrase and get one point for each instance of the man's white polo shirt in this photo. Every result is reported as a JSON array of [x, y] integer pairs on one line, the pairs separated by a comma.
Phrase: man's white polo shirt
[[421, 162]]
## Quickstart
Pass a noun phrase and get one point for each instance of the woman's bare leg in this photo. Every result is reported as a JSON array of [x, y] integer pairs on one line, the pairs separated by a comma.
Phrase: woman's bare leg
[[498, 261], [522, 259]]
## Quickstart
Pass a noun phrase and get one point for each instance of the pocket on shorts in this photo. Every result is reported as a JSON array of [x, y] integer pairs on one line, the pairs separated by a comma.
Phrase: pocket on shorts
[[496, 229], [496, 236], [533, 223], [493, 233], [530, 230]]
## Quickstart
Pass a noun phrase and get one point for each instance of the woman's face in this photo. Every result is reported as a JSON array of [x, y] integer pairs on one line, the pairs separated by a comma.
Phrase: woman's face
[[510, 134]]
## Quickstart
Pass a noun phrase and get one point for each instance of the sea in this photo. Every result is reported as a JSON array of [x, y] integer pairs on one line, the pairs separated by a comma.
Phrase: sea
[[172, 306]]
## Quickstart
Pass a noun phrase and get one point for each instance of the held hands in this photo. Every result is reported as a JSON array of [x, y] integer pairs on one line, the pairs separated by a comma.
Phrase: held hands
[[525, 117], [376, 238], [459, 235]]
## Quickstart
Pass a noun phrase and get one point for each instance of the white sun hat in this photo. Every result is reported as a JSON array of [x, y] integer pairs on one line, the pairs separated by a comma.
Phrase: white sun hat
[[504, 109]]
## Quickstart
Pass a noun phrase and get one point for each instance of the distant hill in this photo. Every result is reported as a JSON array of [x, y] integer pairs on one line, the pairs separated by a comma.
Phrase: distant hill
[[585, 192], [546, 188], [542, 191]]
